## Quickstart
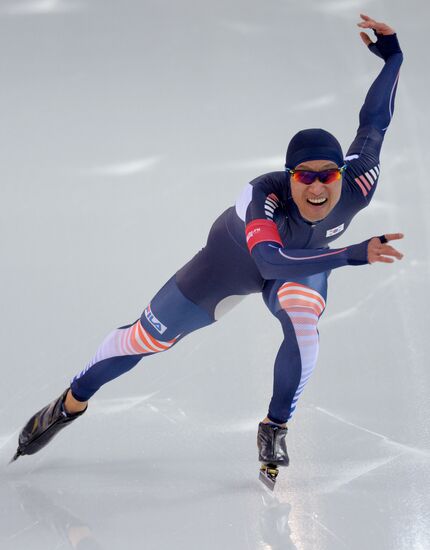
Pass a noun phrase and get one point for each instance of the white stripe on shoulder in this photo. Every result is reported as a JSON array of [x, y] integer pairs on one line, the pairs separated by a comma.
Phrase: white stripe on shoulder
[[369, 178], [271, 202], [351, 157], [243, 201]]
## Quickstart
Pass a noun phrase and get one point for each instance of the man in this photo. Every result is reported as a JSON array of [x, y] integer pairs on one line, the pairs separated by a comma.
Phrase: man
[[274, 241]]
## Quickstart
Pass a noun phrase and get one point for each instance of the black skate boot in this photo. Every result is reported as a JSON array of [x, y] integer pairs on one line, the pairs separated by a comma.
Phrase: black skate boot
[[43, 426], [272, 452]]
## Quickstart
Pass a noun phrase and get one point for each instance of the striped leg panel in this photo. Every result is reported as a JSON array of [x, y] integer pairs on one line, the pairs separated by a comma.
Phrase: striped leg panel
[[120, 351], [304, 306], [133, 340], [169, 317]]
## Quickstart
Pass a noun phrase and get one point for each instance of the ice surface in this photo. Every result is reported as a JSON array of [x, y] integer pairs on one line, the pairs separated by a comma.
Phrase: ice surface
[[126, 129]]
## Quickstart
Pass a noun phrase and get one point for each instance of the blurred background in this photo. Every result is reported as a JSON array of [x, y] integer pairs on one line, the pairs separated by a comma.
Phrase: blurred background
[[126, 128]]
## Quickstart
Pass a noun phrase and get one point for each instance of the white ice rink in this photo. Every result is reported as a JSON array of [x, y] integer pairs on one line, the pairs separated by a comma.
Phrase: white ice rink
[[125, 129]]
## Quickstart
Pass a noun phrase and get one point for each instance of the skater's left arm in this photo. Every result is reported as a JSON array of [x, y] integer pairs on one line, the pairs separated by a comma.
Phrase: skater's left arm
[[277, 262], [273, 259], [376, 113]]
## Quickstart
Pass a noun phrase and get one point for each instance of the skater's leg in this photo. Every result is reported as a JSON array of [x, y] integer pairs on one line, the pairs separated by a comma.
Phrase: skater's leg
[[198, 294], [72, 405], [169, 317], [298, 305], [204, 289]]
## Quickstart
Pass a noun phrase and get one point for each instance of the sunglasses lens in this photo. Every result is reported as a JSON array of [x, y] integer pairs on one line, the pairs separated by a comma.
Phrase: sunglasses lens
[[303, 176], [308, 177], [329, 176]]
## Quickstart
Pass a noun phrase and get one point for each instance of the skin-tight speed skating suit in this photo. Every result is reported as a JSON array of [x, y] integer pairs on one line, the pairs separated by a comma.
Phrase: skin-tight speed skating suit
[[263, 244]]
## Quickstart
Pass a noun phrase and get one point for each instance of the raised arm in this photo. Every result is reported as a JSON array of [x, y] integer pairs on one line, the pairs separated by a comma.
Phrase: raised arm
[[378, 107], [377, 110]]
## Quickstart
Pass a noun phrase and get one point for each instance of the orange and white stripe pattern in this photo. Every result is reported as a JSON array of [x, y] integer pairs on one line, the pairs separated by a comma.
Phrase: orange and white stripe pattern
[[304, 306], [297, 296], [367, 180], [132, 340]]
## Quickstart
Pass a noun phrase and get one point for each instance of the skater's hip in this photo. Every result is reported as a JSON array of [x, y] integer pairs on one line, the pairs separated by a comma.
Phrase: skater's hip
[[222, 268]]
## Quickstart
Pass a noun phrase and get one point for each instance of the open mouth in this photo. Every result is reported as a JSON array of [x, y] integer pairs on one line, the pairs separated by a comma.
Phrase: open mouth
[[317, 202]]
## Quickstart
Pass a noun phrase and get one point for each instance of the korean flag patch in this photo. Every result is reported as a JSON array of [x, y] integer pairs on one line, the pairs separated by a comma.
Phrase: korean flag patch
[[335, 230]]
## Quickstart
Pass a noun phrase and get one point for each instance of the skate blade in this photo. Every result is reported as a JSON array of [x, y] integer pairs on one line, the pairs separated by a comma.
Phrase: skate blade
[[15, 457], [268, 479]]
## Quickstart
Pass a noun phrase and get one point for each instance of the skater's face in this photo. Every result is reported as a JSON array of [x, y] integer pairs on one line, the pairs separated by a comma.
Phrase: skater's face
[[317, 200]]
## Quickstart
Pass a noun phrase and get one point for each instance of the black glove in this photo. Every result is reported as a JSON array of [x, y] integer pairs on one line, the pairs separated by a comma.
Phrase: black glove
[[385, 46], [357, 253]]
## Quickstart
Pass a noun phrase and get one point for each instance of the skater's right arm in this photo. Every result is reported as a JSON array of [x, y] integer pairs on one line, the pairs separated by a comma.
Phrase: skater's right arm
[[362, 175]]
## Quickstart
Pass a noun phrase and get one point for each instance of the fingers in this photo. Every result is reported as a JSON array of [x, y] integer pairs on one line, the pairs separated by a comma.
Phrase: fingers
[[366, 20], [394, 236], [369, 23], [384, 260], [384, 256], [388, 250], [365, 38], [382, 252]]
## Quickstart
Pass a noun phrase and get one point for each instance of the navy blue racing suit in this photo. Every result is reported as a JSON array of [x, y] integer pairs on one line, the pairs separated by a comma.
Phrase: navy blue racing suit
[[262, 244]]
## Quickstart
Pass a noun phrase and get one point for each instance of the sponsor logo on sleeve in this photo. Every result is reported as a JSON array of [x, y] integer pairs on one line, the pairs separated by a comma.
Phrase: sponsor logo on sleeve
[[251, 234]]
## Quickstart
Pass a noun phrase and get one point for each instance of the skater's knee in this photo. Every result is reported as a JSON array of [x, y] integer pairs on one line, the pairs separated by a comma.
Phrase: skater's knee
[[296, 298]]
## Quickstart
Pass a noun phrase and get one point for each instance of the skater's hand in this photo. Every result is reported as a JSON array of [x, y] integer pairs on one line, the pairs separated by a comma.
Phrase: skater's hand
[[378, 27], [383, 252]]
